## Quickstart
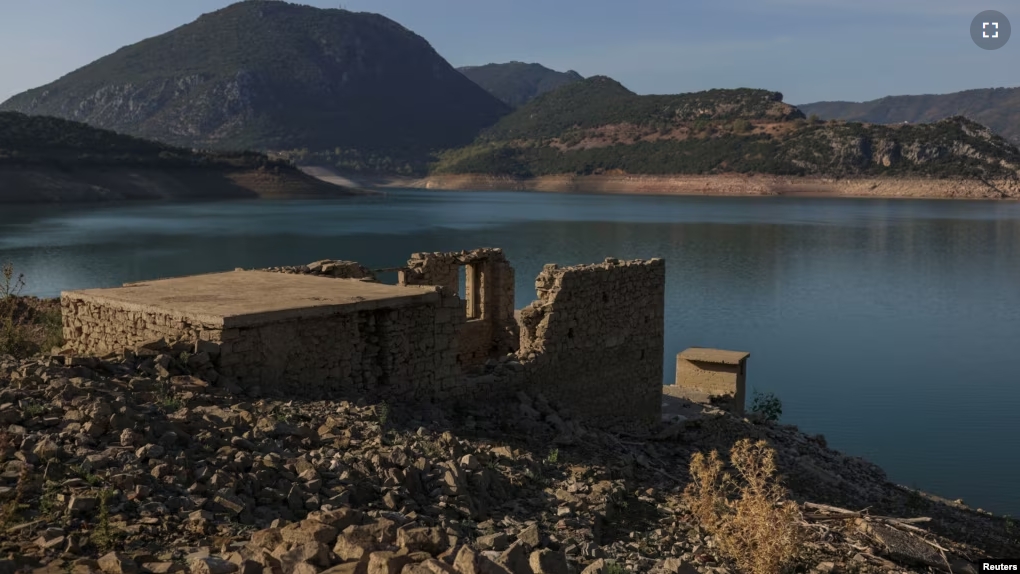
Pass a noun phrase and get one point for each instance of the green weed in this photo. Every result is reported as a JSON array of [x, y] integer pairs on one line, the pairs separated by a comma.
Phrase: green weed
[[103, 537], [553, 457], [767, 405], [34, 409]]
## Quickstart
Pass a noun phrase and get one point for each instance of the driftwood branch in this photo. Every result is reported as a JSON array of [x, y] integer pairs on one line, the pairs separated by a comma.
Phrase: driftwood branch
[[826, 512], [843, 513]]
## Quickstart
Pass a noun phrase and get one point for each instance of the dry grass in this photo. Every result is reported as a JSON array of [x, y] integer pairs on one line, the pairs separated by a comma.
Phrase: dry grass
[[10, 513], [27, 325], [749, 515], [12, 339]]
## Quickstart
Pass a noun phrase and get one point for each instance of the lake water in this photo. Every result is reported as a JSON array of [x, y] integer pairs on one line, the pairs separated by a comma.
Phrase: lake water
[[890, 326]]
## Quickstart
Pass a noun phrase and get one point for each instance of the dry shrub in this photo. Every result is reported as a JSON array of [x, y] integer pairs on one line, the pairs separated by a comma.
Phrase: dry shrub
[[12, 338], [6, 444], [10, 513], [749, 516], [27, 325]]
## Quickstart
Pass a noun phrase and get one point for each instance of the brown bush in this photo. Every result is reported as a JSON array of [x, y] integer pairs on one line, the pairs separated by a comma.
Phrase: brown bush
[[27, 325], [750, 516]]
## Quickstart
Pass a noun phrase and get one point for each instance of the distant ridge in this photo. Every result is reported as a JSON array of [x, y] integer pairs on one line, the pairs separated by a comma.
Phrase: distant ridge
[[997, 108], [598, 126], [517, 83], [47, 159]]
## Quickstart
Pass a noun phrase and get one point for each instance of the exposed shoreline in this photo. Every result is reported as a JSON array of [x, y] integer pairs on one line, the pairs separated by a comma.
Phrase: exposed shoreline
[[102, 184], [99, 185], [722, 185]]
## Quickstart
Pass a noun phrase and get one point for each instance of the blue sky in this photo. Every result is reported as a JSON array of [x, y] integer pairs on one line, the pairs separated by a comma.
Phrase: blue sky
[[808, 49]]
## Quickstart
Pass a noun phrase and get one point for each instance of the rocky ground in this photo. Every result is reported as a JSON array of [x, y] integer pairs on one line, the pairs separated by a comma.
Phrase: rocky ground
[[150, 462]]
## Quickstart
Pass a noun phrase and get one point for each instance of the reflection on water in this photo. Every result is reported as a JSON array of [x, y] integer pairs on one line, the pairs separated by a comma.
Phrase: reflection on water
[[889, 326]]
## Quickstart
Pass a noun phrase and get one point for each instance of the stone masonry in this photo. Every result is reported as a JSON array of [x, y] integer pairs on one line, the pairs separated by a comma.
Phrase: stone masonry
[[281, 333], [593, 340], [94, 326], [486, 320]]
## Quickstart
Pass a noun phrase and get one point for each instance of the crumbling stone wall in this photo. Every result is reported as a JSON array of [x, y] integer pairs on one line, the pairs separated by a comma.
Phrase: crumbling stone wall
[[594, 339], [485, 321], [97, 328]]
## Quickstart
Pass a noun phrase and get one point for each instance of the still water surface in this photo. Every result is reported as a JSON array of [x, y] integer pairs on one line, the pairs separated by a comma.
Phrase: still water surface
[[890, 326]]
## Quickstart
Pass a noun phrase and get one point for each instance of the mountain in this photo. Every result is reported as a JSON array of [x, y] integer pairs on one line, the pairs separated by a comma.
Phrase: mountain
[[598, 126], [270, 75], [587, 107], [517, 83], [45, 159], [997, 108]]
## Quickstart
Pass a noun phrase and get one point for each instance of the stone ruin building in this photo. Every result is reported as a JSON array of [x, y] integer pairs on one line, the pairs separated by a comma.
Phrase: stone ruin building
[[593, 339]]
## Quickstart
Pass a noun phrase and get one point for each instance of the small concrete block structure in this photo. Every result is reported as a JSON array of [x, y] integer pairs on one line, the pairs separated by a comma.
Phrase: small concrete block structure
[[709, 374], [297, 334]]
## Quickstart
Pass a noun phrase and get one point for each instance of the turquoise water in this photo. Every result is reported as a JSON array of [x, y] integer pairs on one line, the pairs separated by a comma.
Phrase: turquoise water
[[890, 326]]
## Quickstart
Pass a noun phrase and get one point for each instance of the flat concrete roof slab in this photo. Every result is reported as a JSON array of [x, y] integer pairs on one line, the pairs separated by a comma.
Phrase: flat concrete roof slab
[[243, 298], [703, 355]]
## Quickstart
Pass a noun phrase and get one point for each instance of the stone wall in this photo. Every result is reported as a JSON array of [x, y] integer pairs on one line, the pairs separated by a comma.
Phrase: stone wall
[[403, 352], [96, 328], [485, 319], [594, 339]]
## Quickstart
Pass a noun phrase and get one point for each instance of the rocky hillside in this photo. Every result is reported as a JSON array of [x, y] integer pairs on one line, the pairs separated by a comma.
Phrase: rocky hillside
[[997, 108], [152, 462], [263, 74], [49, 159], [599, 104], [598, 126], [517, 83]]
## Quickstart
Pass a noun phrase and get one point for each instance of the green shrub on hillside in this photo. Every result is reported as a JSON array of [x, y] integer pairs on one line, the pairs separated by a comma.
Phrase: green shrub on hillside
[[951, 148], [32, 140], [600, 101]]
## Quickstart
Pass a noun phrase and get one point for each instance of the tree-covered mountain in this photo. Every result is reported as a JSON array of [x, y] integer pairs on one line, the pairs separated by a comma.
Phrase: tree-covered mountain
[[43, 158], [598, 126], [997, 108], [271, 75], [517, 83], [586, 107], [26, 140]]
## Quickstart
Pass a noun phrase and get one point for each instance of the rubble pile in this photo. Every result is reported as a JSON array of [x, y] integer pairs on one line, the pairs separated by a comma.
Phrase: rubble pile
[[335, 268], [150, 462]]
